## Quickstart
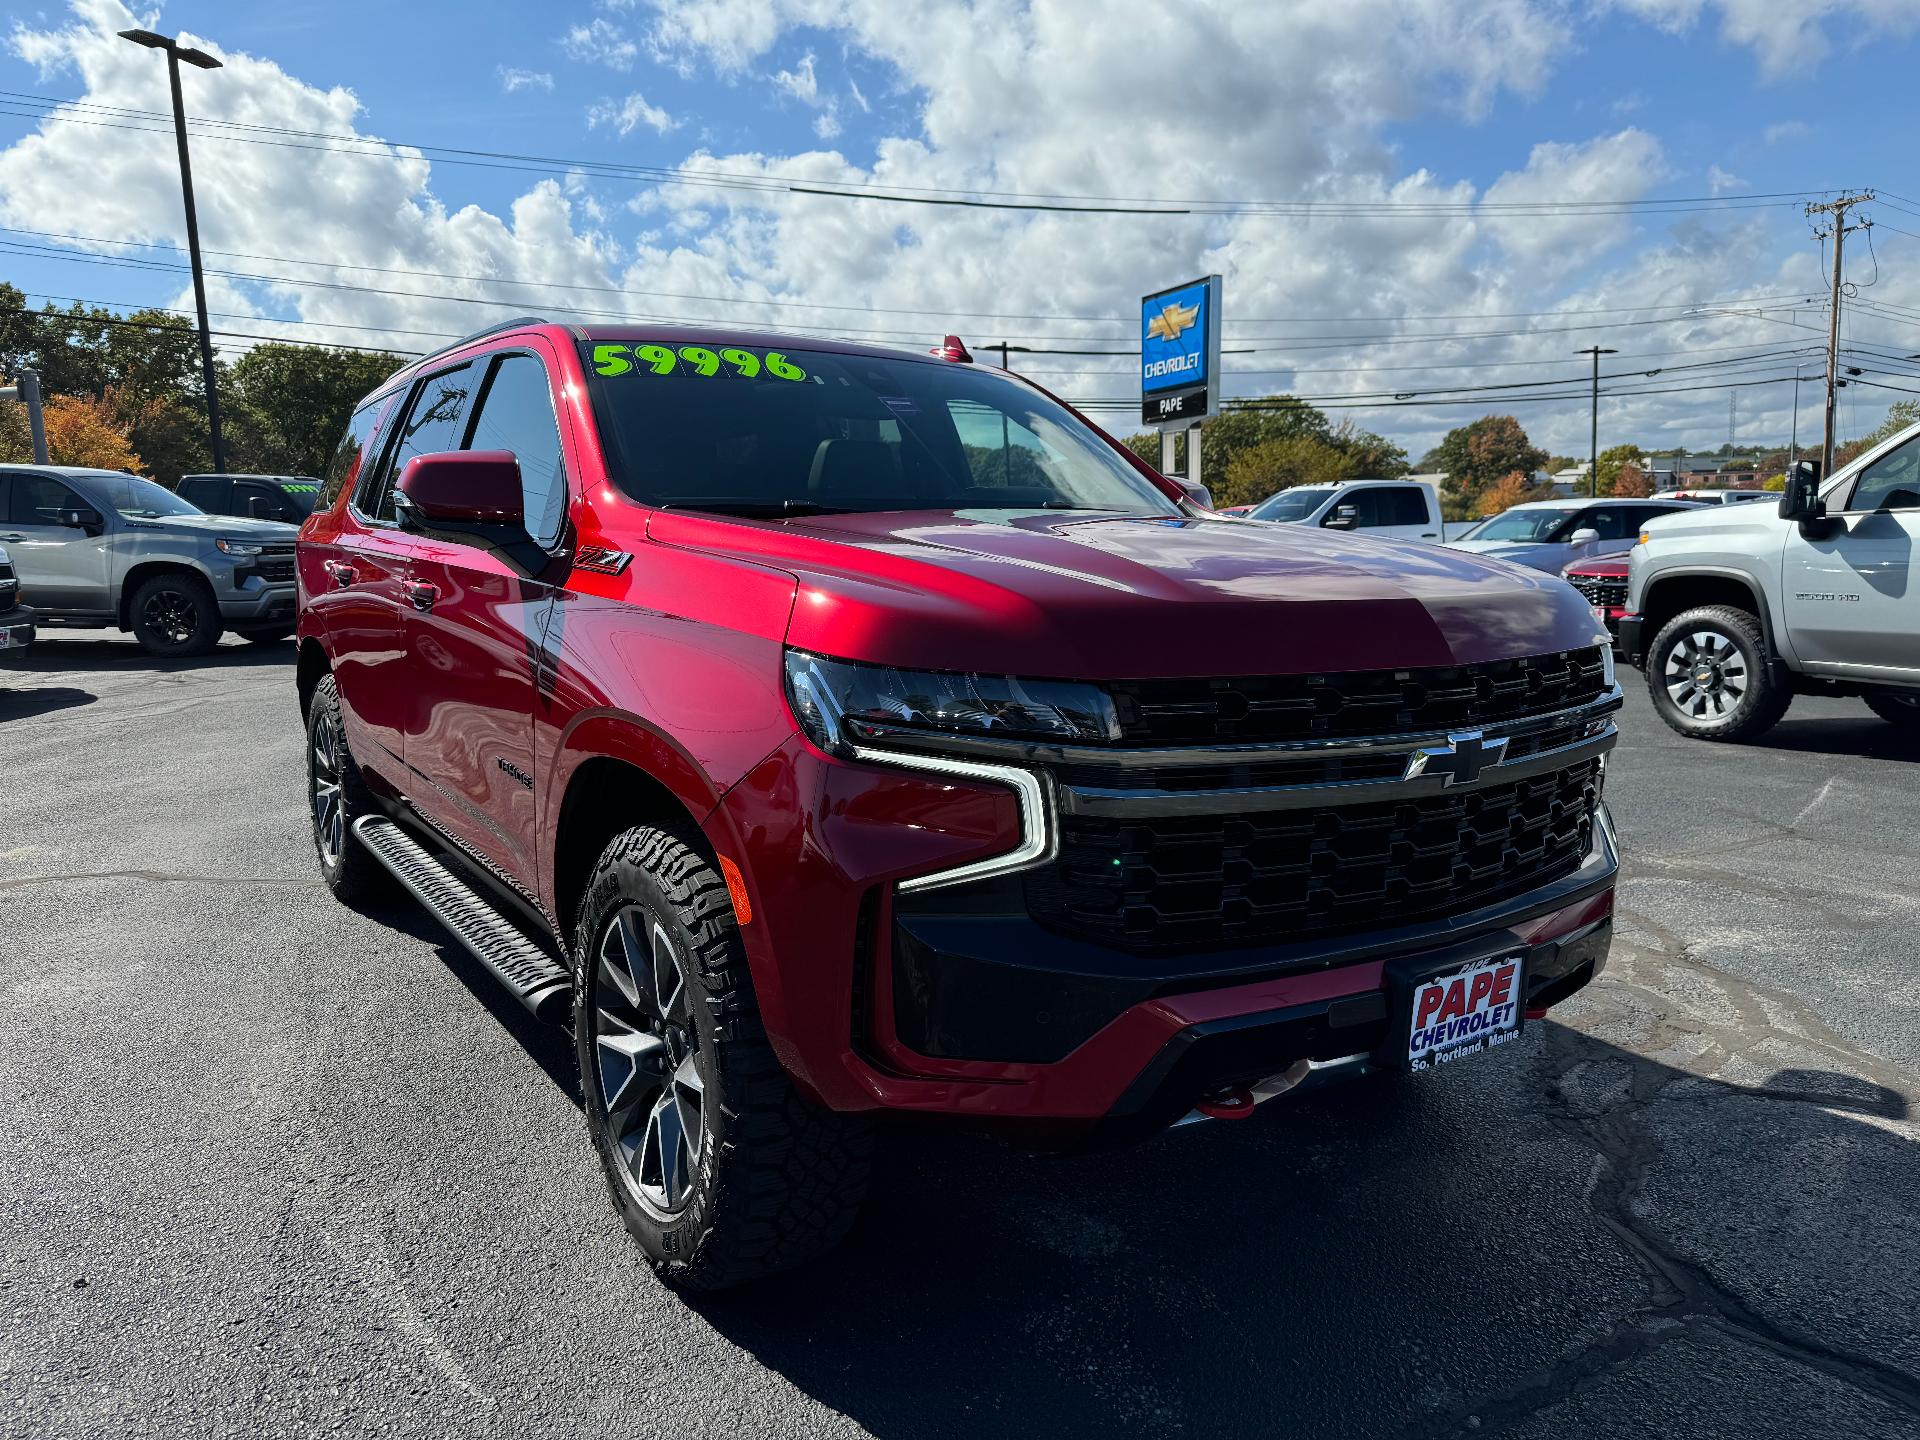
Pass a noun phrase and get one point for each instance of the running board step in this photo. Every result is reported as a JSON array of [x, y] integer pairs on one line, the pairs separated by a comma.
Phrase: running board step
[[537, 980]]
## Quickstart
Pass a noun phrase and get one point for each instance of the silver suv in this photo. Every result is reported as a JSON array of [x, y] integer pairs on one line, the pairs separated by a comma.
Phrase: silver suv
[[103, 549]]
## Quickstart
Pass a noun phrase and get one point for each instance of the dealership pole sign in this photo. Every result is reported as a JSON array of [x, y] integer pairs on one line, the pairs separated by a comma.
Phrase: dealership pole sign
[[1180, 354]]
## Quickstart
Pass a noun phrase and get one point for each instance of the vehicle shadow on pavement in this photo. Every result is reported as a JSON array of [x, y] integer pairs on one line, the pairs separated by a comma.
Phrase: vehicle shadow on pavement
[[124, 653], [25, 704], [1866, 739], [1430, 1255]]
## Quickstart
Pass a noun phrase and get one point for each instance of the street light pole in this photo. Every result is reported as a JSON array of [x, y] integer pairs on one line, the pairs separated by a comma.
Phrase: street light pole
[[1593, 451], [204, 61]]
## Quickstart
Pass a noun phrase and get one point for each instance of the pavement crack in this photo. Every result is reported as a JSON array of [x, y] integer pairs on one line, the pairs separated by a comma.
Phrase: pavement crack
[[155, 877]]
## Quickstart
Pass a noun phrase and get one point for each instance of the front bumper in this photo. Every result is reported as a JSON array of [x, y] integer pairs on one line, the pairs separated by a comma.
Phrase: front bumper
[[253, 601], [951, 1002], [16, 628], [1628, 638]]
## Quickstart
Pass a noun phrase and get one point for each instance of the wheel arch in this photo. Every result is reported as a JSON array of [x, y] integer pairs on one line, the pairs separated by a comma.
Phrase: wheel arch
[[1672, 592], [310, 669], [614, 776], [138, 575]]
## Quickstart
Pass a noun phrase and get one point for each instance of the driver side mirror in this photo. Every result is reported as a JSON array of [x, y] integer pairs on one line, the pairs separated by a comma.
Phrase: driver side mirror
[[1585, 535], [1194, 491], [263, 507], [79, 517], [1801, 499], [1342, 518], [469, 497]]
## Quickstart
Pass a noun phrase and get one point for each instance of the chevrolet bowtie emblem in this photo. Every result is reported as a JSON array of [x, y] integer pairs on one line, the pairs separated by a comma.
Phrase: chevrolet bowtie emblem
[[1171, 320], [1460, 760]]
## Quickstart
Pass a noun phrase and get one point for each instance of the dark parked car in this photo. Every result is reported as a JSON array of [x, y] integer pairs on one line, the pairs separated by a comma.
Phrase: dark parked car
[[843, 732], [16, 621], [259, 497]]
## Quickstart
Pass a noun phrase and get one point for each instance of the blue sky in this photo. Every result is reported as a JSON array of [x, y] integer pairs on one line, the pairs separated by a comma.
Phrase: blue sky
[[1379, 103]]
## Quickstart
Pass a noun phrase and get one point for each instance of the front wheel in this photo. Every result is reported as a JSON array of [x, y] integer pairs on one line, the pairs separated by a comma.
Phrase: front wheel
[[720, 1168], [174, 616], [336, 797], [1897, 707], [1709, 677]]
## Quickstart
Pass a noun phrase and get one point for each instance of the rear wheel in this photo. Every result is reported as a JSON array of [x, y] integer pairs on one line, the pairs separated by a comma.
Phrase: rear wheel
[[721, 1169], [174, 616], [1709, 677], [336, 797], [1897, 707]]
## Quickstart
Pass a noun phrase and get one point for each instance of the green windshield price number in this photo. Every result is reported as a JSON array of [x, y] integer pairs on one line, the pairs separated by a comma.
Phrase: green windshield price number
[[664, 360]]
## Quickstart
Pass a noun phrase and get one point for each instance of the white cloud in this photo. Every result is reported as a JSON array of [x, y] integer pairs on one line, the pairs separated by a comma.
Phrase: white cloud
[[826, 125], [512, 78], [600, 43], [1785, 132], [1786, 36], [859, 99], [1720, 181], [1299, 104], [629, 114], [800, 82]]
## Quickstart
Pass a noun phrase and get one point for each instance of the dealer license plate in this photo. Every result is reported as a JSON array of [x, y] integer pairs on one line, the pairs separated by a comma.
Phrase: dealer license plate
[[1465, 1012]]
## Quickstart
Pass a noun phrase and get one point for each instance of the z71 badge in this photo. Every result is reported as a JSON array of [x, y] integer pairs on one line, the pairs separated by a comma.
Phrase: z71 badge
[[601, 560]]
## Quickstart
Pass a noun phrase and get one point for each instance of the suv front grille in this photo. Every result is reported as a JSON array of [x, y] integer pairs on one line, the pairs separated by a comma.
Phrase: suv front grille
[[1359, 703], [1200, 882], [1605, 592], [274, 564]]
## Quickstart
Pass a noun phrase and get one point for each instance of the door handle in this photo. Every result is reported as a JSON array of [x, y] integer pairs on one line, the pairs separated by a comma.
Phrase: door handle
[[14, 539], [422, 594], [342, 575]]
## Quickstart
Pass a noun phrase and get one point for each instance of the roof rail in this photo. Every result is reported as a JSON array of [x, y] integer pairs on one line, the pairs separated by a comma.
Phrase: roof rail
[[513, 324]]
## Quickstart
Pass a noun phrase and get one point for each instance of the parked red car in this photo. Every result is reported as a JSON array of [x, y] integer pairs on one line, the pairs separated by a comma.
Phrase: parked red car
[[835, 732], [1602, 583]]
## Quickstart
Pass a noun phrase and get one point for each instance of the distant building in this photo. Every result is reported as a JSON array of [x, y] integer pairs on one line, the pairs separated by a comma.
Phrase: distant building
[[1705, 472]]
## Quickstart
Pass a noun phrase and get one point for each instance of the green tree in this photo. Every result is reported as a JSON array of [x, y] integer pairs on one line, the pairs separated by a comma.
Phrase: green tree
[[1477, 455], [1774, 483], [1612, 460], [1370, 456], [290, 403], [1631, 482], [1257, 471], [1276, 417], [1900, 415]]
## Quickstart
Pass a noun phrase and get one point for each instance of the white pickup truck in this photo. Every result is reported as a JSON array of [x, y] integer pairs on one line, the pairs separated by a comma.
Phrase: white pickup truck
[[1737, 608], [1388, 509]]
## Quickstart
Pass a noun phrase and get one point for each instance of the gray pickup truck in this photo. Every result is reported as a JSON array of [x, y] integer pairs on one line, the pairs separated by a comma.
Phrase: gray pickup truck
[[101, 549]]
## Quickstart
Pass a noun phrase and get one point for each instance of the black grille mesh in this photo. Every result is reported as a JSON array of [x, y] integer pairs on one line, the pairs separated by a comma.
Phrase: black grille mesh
[[1380, 702], [1198, 882]]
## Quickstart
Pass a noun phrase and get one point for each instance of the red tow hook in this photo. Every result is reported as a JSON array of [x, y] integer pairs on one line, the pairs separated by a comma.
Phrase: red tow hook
[[1536, 1012], [1229, 1105]]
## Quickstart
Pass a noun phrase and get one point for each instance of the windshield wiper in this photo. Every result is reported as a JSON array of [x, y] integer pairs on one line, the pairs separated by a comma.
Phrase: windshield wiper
[[757, 509]]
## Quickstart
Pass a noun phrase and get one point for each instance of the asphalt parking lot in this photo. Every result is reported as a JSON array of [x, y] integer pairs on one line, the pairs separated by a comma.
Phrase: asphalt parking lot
[[271, 1166]]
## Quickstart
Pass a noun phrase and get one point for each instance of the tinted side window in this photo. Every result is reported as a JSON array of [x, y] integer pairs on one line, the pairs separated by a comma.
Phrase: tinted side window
[[39, 499], [1609, 520], [1399, 507], [1892, 482], [209, 495], [262, 502], [433, 423], [516, 413], [343, 469]]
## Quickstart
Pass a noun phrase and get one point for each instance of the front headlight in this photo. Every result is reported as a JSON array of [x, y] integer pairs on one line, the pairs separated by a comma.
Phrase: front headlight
[[238, 548], [839, 702]]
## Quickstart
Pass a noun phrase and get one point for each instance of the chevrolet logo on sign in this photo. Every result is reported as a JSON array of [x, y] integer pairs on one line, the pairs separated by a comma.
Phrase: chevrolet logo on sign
[[1172, 320]]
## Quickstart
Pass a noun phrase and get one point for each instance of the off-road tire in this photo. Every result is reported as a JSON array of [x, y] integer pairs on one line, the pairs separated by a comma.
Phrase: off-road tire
[[1901, 708], [268, 637], [1763, 698], [774, 1180], [181, 594], [351, 873]]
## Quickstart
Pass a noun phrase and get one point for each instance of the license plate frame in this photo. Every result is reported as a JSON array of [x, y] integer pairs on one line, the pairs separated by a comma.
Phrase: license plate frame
[[1409, 981]]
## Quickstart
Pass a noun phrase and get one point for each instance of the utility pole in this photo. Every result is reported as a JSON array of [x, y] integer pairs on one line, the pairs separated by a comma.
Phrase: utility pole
[[1593, 439], [1839, 230], [26, 389], [204, 61]]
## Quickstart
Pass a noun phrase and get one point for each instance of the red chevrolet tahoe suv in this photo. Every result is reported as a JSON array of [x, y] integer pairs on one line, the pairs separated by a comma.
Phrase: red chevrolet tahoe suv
[[836, 733]]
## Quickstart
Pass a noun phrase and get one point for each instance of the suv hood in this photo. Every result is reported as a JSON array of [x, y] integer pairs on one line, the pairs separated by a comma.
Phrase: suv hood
[[1077, 595], [238, 527]]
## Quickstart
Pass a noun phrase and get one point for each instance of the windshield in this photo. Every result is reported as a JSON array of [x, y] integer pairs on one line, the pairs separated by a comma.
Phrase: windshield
[[139, 499], [1289, 505], [749, 431], [1520, 526], [301, 494]]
